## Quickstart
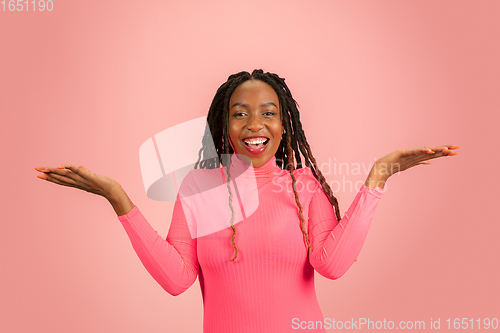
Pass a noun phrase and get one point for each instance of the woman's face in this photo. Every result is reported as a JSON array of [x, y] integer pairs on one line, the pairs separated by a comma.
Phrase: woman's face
[[254, 124]]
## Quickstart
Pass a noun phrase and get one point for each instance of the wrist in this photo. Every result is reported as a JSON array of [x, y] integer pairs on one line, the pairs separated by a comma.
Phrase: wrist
[[113, 192], [378, 176], [120, 201]]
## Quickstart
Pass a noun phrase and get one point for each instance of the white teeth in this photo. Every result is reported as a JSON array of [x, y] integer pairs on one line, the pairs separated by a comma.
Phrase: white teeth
[[255, 142]]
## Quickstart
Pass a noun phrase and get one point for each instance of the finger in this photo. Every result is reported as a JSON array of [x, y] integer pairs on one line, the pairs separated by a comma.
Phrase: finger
[[417, 151], [427, 150], [51, 170], [71, 179], [69, 170], [410, 152], [445, 150], [451, 146], [66, 170], [42, 169], [54, 178], [63, 178], [81, 171], [80, 175], [445, 147], [440, 154]]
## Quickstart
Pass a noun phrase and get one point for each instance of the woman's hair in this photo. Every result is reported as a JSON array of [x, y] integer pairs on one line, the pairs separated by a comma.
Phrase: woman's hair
[[293, 140]]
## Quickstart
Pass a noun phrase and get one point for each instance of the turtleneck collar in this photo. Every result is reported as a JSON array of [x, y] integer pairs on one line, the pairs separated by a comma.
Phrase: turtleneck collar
[[240, 166]]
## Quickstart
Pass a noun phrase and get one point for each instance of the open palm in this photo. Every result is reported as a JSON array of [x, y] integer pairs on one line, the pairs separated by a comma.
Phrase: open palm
[[79, 177], [403, 159]]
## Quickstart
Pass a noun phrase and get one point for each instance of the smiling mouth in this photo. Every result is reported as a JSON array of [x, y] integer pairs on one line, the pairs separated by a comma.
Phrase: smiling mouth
[[261, 142]]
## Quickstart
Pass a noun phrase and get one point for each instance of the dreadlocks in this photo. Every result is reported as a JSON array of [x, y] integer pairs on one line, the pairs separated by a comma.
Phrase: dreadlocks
[[292, 145]]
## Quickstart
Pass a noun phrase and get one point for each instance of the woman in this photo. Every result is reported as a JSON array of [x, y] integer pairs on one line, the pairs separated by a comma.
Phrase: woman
[[257, 275]]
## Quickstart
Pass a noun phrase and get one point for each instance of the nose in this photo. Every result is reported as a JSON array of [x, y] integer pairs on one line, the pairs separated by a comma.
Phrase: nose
[[254, 123]]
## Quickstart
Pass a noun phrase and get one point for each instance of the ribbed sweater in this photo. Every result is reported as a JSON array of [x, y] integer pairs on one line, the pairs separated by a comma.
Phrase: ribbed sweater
[[270, 285]]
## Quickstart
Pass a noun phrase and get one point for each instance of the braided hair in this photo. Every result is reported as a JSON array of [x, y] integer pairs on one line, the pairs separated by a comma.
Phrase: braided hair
[[292, 145]]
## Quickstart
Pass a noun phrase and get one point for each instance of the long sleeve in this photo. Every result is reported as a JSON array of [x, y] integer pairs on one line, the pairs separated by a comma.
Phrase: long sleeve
[[336, 245], [173, 262]]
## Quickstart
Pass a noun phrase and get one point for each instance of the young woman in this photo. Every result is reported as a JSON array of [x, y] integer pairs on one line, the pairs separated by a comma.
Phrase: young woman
[[256, 275]]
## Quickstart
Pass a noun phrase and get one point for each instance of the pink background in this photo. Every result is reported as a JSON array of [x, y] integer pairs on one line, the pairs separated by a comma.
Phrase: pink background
[[90, 81]]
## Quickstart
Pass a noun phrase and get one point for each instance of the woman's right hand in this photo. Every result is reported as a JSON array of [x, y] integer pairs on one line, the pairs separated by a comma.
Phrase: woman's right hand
[[81, 178]]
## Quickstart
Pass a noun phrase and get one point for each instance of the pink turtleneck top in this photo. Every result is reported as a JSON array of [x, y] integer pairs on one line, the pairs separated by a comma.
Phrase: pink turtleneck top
[[269, 287]]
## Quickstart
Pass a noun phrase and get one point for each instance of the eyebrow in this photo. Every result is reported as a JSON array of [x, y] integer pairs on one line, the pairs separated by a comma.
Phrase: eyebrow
[[245, 105]]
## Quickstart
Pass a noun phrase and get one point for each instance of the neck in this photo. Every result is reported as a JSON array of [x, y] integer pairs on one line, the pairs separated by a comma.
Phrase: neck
[[241, 162]]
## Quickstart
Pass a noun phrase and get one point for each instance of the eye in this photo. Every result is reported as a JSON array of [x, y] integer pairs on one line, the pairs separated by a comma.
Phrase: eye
[[270, 113], [238, 114]]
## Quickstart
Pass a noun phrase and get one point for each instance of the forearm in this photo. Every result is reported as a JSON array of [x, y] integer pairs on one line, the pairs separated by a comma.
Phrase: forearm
[[120, 201], [334, 255], [172, 262]]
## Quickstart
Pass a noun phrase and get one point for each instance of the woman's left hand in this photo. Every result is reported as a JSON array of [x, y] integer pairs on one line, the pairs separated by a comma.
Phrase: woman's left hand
[[403, 159]]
